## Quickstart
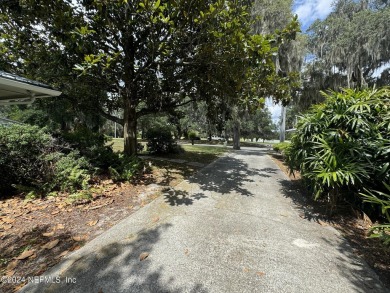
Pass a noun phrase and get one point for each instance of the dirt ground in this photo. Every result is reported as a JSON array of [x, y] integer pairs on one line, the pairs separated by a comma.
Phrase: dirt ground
[[36, 234], [353, 224]]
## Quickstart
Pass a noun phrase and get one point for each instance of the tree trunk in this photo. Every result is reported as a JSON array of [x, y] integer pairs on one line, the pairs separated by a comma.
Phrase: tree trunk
[[236, 135], [130, 130], [283, 125]]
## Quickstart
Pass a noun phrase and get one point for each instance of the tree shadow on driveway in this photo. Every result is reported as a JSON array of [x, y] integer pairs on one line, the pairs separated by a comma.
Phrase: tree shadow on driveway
[[180, 197], [224, 176], [117, 267]]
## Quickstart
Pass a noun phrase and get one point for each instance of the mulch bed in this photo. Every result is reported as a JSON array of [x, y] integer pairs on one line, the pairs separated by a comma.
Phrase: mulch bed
[[36, 234]]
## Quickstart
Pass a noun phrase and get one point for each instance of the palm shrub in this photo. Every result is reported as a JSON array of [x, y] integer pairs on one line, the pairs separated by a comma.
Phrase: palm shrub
[[343, 145]]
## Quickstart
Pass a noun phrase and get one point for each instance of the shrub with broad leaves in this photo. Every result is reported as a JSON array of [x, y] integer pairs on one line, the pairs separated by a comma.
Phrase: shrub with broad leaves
[[343, 145]]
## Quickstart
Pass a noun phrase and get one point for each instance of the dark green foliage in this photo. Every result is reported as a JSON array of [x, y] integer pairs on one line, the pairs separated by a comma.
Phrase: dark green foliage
[[160, 141], [93, 146], [127, 169], [71, 173], [23, 151], [32, 161], [343, 145]]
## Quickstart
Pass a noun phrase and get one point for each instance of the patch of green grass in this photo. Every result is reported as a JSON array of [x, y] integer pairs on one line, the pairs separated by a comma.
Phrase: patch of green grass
[[117, 144], [198, 153], [193, 153]]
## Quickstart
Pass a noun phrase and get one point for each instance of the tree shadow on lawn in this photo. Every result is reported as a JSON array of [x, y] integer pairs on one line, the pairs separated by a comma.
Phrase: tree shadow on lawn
[[117, 267]]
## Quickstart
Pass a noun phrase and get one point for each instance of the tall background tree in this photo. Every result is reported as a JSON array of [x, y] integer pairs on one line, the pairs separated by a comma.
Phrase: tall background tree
[[272, 16], [347, 49]]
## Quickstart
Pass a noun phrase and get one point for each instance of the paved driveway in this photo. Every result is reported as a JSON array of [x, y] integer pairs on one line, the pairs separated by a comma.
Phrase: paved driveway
[[232, 227]]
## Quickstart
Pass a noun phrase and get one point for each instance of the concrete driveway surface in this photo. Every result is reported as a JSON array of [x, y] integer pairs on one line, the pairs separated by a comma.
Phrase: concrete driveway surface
[[233, 227]]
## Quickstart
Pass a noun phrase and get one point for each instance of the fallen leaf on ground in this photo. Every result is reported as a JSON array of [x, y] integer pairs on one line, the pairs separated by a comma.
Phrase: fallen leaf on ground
[[25, 254], [8, 220], [65, 252], [246, 270], [42, 268], [51, 244], [55, 212], [60, 227], [7, 227], [76, 247], [156, 219], [186, 251], [48, 234], [322, 223], [92, 223], [260, 274], [143, 256], [10, 273], [12, 265], [79, 238]]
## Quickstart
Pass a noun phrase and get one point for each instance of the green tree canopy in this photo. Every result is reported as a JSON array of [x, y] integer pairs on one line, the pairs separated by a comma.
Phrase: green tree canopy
[[141, 57]]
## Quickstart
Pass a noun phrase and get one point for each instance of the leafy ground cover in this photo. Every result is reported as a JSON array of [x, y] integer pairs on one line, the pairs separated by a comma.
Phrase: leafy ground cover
[[36, 234]]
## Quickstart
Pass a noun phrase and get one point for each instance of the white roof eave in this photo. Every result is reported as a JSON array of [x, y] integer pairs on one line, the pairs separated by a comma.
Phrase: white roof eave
[[29, 88]]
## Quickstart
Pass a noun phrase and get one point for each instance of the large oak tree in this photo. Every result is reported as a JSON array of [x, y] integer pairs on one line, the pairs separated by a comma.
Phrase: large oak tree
[[140, 57]]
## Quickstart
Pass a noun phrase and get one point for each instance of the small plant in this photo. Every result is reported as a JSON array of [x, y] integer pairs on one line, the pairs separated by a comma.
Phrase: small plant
[[80, 197], [127, 170], [71, 173], [281, 147]]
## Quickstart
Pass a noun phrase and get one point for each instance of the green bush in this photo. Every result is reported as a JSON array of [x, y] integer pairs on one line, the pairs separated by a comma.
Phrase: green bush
[[127, 169], [193, 135], [281, 146], [160, 141], [93, 146], [343, 145], [31, 162], [23, 162], [71, 173]]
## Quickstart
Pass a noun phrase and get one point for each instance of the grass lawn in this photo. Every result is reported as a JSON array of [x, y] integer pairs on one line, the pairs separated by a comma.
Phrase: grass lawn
[[192, 153]]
